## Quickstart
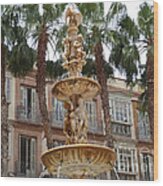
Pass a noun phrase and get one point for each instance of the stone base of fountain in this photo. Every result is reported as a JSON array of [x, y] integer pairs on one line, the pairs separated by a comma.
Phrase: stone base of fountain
[[79, 160]]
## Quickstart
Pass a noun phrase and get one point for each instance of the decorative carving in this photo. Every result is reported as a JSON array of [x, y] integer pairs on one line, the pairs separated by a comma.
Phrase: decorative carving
[[75, 123], [73, 54], [76, 159], [73, 18], [79, 160]]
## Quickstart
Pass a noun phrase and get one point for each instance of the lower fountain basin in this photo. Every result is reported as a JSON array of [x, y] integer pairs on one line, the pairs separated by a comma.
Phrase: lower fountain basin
[[79, 160], [86, 87]]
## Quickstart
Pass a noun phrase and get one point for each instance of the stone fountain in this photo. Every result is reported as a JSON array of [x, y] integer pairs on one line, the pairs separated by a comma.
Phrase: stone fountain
[[77, 158]]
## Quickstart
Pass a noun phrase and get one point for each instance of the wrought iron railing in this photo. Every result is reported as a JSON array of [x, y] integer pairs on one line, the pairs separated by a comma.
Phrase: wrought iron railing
[[30, 116], [21, 170], [121, 129], [55, 119]]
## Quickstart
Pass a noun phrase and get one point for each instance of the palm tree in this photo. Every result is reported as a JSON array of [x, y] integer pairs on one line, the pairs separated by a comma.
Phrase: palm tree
[[131, 40], [13, 44], [41, 23], [4, 115], [146, 27]]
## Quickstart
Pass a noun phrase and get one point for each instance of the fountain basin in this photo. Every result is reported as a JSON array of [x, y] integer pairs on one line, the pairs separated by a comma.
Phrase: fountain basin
[[85, 87], [79, 160]]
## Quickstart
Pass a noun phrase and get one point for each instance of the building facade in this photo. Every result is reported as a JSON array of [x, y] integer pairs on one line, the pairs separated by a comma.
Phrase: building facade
[[130, 128]]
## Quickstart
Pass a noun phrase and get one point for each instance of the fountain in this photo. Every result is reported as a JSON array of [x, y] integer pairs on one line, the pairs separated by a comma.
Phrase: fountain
[[77, 158]]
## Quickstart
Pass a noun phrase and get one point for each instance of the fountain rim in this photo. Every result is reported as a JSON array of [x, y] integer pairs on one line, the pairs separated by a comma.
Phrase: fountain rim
[[72, 146], [76, 79]]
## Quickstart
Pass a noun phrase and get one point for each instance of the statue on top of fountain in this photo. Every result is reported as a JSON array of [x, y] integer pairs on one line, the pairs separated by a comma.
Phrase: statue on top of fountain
[[73, 16], [73, 44]]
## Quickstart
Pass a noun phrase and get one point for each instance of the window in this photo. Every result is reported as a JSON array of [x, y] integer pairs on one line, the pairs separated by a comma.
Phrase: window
[[91, 113], [27, 155], [146, 166], [120, 110], [143, 126], [58, 110], [28, 106], [8, 89], [126, 160]]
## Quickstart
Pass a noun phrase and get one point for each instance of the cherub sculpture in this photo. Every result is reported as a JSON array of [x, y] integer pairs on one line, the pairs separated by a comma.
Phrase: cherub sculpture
[[67, 49], [81, 118], [70, 125]]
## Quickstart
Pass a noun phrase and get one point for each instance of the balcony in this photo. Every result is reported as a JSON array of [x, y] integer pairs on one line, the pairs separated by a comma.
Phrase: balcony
[[144, 134], [57, 120], [24, 170], [28, 116], [121, 129]]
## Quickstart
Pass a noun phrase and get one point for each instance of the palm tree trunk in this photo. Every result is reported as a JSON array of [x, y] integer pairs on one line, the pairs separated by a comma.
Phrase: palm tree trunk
[[104, 92], [150, 92], [4, 117], [41, 84]]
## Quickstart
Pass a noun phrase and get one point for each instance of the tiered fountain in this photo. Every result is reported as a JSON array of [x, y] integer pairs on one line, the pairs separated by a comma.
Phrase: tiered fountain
[[77, 158]]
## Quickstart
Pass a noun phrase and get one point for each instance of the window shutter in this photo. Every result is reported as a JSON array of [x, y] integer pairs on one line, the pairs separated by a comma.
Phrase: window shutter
[[34, 110], [22, 102], [142, 166], [33, 155], [151, 167], [8, 89]]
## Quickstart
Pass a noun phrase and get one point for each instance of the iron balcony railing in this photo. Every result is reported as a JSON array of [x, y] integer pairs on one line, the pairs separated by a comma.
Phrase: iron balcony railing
[[24, 170], [56, 120], [27, 115], [121, 129]]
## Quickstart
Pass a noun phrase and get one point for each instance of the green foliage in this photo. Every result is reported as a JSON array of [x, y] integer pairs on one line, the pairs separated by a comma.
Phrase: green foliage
[[146, 20], [129, 28], [54, 69], [19, 56], [108, 69], [92, 12], [90, 68], [21, 60], [125, 58], [116, 11]]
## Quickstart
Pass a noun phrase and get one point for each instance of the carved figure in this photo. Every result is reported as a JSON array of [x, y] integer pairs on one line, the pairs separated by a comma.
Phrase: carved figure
[[67, 125], [73, 18], [67, 49], [75, 123], [81, 118], [70, 125]]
